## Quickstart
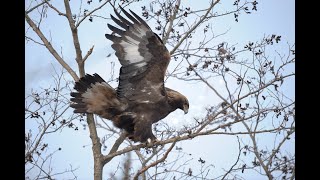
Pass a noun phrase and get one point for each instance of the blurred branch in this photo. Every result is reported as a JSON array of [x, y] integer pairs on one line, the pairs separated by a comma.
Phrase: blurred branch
[[293, 176], [143, 162], [126, 167]]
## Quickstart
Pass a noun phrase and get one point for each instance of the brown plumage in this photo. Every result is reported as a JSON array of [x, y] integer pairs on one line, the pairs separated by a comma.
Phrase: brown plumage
[[141, 98]]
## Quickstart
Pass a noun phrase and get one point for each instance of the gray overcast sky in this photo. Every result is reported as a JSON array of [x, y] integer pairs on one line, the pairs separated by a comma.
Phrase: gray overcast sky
[[272, 17]]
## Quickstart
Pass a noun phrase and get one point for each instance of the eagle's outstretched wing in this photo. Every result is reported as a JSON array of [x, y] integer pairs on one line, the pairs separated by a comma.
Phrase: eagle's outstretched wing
[[143, 56]]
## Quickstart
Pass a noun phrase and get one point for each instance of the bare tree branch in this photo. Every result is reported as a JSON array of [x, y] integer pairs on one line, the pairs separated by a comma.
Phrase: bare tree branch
[[115, 147], [28, 38], [51, 49], [96, 148], [55, 9], [194, 27], [228, 172], [91, 12], [279, 146], [154, 163], [88, 54], [35, 7], [171, 19], [75, 37]]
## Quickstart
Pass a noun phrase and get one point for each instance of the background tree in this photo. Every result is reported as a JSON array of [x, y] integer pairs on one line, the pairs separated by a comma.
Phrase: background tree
[[46, 109], [248, 92]]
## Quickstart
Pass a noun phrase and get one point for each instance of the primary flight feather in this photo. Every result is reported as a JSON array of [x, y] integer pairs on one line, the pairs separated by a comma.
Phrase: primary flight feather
[[141, 98]]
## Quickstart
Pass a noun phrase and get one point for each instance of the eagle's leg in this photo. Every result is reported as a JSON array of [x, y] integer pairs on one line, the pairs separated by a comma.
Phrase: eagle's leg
[[125, 122], [143, 131]]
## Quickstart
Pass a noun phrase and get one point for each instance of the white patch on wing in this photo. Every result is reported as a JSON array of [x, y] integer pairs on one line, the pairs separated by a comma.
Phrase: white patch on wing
[[147, 101], [131, 52]]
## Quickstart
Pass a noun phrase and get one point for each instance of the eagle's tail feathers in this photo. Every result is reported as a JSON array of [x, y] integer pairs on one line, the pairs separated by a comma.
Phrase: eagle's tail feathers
[[85, 82], [94, 95]]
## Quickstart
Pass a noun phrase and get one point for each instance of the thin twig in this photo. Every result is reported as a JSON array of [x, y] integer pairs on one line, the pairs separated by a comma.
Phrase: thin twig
[[144, 169], [35, 7], [115, 146], [29, 38], [195, 26], [171, 19], [228, 172], [78, 24], [88, 54], [55, 9]]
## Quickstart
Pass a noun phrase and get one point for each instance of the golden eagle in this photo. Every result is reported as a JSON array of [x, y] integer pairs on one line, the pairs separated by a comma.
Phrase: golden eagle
[[141, 98]]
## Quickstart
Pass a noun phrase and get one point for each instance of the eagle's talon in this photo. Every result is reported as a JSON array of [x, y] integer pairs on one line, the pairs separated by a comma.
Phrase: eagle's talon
[[151, 142]]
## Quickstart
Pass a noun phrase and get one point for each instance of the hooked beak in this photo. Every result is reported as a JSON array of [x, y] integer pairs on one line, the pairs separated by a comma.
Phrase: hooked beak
[[185, 109]]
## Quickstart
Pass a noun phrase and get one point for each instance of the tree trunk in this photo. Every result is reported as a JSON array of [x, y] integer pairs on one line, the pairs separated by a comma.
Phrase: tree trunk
[[96, 148]]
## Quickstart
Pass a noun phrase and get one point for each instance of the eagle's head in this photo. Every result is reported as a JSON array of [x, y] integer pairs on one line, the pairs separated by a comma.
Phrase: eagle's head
[[177, 100], [185, 105]]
